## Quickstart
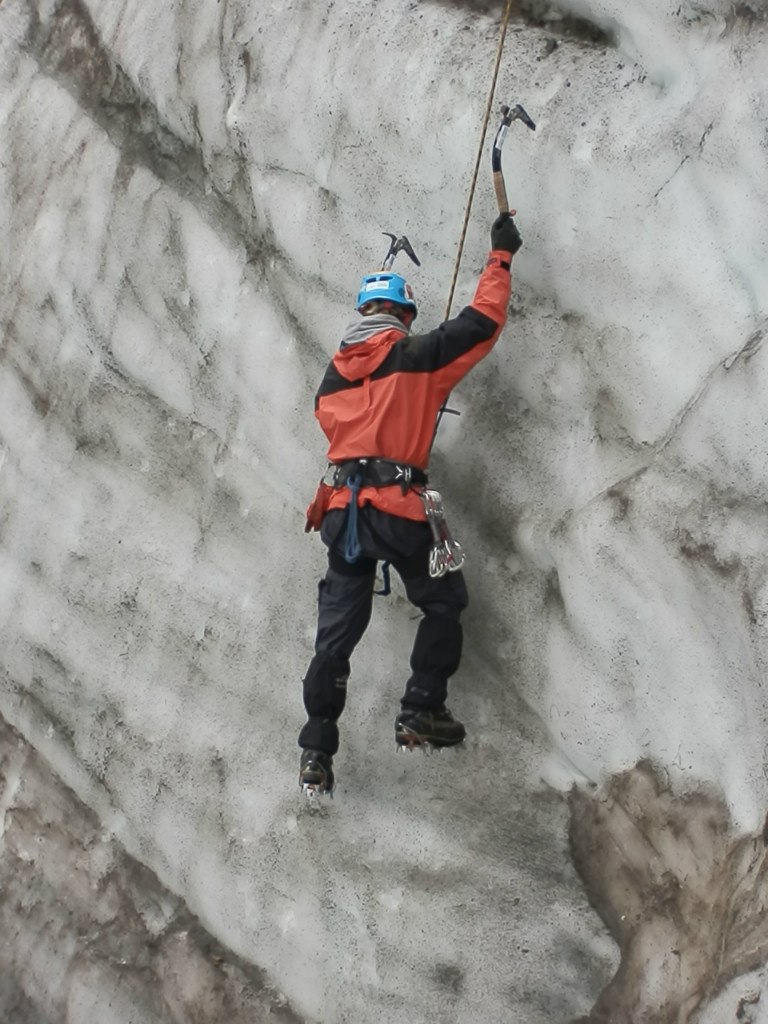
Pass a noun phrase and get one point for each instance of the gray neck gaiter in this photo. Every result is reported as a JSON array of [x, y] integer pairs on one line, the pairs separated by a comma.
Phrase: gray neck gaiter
[[366, 326]]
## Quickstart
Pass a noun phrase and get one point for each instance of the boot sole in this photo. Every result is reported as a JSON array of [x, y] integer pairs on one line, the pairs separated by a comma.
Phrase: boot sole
[[411, 740]]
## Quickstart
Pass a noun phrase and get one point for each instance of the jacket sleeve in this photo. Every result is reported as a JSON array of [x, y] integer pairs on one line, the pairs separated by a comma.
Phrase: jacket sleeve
[[452, 349]]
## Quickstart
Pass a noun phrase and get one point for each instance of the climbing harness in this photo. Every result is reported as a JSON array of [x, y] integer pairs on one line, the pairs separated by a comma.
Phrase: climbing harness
[[370, 472], [445, 555], [378, 473]]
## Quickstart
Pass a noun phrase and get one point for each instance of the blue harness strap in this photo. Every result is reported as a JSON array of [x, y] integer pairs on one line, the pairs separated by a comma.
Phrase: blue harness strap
[[352, 541], [352, 546]]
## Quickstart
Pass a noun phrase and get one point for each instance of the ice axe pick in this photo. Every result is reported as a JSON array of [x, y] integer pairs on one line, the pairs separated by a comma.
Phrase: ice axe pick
[[508, 115]]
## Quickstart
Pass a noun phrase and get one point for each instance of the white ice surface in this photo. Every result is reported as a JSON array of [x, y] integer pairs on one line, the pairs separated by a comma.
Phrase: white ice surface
[[162, 338]]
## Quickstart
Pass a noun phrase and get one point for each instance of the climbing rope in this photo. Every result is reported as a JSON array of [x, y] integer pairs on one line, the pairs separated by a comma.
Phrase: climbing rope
[[486, 119]]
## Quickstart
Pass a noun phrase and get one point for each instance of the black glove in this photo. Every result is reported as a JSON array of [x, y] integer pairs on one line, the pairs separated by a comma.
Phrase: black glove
[[504, 234]]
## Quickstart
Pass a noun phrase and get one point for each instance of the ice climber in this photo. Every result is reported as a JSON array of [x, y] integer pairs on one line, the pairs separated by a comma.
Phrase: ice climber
[[377, 405]]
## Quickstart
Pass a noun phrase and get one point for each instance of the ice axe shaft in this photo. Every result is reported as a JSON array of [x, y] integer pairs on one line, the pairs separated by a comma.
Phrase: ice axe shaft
[[398, 245], [508, 115]]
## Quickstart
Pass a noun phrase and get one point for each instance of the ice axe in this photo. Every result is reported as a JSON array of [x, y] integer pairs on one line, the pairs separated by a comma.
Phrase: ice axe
[[398, 245], [508, 115]]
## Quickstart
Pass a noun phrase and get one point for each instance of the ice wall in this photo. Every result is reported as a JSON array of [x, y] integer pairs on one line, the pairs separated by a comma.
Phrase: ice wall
[[189, 193], [89, 934]]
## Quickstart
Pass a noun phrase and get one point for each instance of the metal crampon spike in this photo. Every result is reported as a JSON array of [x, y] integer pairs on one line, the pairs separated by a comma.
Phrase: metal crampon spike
[[314, 794], [415, 743], [405, 748], [409, 743]]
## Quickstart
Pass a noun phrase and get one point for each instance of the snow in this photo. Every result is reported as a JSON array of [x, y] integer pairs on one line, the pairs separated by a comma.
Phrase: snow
[[166, 315]]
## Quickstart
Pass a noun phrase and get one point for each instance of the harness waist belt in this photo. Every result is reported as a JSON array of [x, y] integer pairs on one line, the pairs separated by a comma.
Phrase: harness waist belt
[[378, 473]]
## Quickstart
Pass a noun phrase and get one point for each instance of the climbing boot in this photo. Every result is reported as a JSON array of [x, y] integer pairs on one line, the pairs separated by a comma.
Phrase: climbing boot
[[316, 772], [415, 728]]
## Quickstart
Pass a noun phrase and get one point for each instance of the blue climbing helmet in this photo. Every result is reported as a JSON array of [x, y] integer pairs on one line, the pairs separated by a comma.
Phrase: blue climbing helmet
[[385, 285]]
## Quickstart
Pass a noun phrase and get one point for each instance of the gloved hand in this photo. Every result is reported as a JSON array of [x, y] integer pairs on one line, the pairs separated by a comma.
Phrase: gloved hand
[[504, 234]]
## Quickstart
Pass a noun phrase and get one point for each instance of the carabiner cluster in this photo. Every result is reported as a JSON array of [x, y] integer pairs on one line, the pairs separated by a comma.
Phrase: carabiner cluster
[[446, 554]]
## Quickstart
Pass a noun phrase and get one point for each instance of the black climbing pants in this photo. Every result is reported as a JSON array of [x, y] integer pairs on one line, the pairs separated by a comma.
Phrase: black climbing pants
[[345, 601]]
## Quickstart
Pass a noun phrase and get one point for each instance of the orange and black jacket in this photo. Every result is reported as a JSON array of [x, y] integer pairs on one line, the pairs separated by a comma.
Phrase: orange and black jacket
[[380, 398]]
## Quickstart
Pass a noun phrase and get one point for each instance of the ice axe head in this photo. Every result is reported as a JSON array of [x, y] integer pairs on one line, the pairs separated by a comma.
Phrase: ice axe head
[[398, 245], [517, 113], [508, 115]]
